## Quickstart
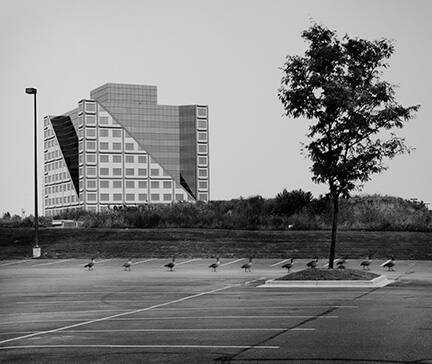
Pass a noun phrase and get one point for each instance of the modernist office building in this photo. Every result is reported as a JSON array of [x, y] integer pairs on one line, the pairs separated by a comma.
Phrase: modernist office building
[[121, 148]]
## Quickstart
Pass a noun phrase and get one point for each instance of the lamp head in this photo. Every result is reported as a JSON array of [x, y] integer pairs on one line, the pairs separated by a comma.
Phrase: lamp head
[[31, 90]]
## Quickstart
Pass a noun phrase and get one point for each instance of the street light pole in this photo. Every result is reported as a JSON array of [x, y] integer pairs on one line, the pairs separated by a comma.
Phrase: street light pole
[[36, 254]]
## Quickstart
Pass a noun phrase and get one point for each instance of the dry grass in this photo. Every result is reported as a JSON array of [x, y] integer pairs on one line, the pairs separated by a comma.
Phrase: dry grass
[[320, 274]]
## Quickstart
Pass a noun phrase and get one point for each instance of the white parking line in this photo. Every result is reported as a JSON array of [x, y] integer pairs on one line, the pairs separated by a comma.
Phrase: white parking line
[[141, 346], [116, 315], [144, 261], [282, 261], [18, 262], [234, 261], [223, 317], [49, 263], [188, 261]]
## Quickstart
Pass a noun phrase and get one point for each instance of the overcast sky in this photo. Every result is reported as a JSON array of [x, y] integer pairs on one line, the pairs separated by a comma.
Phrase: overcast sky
[[222, 53]]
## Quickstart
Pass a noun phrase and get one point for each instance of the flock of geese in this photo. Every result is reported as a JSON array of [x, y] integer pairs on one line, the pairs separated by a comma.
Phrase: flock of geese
[[340, 263]]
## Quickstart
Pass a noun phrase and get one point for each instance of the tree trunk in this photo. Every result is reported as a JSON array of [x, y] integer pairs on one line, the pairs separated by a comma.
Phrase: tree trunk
[[335, 212]]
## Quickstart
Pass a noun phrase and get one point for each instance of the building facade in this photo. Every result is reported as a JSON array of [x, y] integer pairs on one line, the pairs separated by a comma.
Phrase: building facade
[[120, 148]]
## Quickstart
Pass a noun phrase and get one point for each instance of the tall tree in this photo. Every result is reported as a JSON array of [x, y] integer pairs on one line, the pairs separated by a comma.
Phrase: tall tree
[[338, 85]]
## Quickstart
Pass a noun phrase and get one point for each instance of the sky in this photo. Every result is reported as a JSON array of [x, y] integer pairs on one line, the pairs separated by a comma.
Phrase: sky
[[226, 54]]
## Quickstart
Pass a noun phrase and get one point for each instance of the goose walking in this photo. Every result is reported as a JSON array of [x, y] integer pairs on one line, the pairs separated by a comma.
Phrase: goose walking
[[313, 263], [215, 265], [247, 266], [365, 264], [127, 265], [389, 264], [170, 265], [90, 265], [288, 265], [341, 263]]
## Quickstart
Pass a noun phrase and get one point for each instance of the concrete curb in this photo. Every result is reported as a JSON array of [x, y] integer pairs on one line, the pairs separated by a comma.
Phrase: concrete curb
[[380, 281]]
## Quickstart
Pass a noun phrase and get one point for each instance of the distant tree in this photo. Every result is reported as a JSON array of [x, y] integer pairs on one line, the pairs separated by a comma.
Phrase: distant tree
[[337, 83], [289, 203]]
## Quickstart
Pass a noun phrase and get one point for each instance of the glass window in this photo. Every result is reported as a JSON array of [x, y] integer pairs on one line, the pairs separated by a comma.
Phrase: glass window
[[103, 120], [104, 184], [90, 132], [91, 158], [117, 197], [90, 106], [104, 171], [202, 136], [179, 197], [201, 124], [116, 158], [104, 196], [130, 184], [116, 133], [103, 132], [90, 120], [167, 197], [129, 146], [202, 111], [91, 145], [154, 172], [142, 197], [142, 184], [91, 171], [154, 184], [202, 172], [202, 148], [202, 161], [202, 196], [130, 197], [117, 184], [117, 171], [103, 158], [167, 184], [130, 171], [117, 146], [142, 172], [142, 159], [91, 183], [129, 159], [202, 185], [91, 197], [103, 145], [155, 197]]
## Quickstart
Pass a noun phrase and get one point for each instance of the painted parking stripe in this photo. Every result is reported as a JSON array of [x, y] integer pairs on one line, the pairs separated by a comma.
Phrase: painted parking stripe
[[18, 262], [141, 346], [234, 261], [223, 317], [116, 315], [144, 261], [171, 330], [282, 261], [49, 263], [188, 261]]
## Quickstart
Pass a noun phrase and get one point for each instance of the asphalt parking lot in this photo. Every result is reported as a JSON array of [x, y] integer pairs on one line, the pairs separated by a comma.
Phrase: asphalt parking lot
[[55, 311]]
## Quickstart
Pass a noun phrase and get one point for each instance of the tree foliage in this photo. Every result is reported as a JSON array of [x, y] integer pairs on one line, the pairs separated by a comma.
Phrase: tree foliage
[[338, 84]]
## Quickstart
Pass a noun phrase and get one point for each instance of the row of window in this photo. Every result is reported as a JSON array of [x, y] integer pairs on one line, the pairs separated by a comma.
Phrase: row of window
[[103, 133], [52, 155], [48, 133], [91, 145], [50, 143], [60, 200], [202, 136], [129, 172], [56, 177], [91, 184], [54, 165], [133, 197], [58, 188], [202, 124], [115, 158]]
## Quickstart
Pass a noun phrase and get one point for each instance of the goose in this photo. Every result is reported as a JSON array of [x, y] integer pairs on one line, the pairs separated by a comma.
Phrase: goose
[[288, 265], [247, 266], [341, 263], [90, 264], [170, 265], [389, 264], [214, 265], [365, 263], [313, 263], [127, 265]]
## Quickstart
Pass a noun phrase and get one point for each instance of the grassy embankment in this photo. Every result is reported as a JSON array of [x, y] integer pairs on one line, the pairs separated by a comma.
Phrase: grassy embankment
[[163, 243]]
